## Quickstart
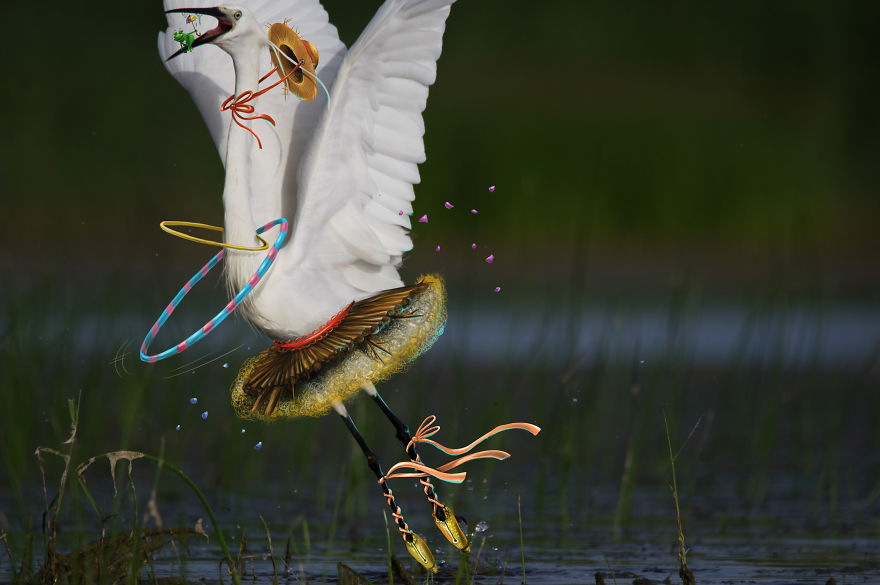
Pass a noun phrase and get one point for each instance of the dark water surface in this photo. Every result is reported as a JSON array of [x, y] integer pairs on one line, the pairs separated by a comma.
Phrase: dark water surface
[[779, 481], [768, 549], [758, 549], [567, 537]]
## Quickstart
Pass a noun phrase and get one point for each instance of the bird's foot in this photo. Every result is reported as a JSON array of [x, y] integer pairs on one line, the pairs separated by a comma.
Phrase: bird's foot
[[448, 523], [419, 550]]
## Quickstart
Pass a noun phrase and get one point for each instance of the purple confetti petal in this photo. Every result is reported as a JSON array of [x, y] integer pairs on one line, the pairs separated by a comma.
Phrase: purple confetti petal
[[473, 246], [205, 415], [437, 249], [492, 189], [490, 258], [497, 289], [474, 211], [424, 219], [400, 212], [448, 205]]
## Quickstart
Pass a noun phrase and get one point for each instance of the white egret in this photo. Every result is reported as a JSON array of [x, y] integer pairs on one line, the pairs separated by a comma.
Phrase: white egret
[[342, 172]]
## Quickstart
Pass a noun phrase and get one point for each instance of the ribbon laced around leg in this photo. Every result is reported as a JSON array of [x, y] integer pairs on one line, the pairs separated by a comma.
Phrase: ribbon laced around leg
[[426, 430]]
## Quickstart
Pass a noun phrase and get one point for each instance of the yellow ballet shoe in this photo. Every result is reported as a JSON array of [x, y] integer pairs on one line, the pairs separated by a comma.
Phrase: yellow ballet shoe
[[451, 529], [419, 550]]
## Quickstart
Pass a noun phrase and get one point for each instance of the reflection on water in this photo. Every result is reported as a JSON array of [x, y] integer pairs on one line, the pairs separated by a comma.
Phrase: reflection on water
[[711, 336], [707, 336]]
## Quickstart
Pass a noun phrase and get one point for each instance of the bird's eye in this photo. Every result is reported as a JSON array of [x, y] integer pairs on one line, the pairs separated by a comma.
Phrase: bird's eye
[[237, 15]]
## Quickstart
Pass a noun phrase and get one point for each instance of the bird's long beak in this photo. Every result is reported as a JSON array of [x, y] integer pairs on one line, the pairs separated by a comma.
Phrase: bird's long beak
[[224, 25]]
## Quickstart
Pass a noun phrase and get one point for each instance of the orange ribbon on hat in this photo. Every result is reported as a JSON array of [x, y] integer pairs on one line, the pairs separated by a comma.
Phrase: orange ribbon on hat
[[238, 104]]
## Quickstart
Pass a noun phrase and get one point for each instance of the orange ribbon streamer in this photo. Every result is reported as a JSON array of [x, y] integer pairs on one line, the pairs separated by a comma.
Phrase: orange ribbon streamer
[[239, 106], [428, 429]]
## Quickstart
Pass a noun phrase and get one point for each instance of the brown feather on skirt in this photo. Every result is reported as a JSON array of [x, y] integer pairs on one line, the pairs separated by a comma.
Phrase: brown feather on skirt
[[278, 369]]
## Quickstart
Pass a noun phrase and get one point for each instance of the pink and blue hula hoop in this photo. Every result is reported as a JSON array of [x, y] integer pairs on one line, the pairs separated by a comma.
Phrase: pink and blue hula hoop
[[225, 312]]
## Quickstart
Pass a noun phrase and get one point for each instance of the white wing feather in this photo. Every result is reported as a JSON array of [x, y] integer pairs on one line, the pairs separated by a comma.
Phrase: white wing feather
[[356, 164], [360, 167]]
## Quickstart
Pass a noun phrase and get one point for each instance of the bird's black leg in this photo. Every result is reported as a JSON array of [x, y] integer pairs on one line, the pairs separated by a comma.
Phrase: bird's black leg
[[442, 514], [404, 436], [414, 544], [373, 462]]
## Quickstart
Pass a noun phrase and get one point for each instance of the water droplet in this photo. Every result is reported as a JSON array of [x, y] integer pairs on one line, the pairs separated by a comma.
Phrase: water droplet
[[424, 219], [242, 431], [258, 446], [205, 415], [492, 189], [177, 428], [448, 205], [193, 400], [574, 400], [481, 526], [225, 364], [490, 258]]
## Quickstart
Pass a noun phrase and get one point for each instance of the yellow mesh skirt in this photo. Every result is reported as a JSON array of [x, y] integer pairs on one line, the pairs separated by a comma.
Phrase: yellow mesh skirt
[[403, 339]]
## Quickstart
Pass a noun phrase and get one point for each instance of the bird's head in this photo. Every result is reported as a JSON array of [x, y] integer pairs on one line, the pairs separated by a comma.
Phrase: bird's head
[[235, 26]]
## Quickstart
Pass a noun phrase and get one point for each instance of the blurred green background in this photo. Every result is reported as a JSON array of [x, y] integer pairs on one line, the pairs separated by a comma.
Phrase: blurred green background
[[730, 131], [681, 152]]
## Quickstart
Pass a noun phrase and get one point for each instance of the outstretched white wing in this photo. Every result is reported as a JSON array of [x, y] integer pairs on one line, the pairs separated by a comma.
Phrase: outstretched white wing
[[207, 73], [356, 180]]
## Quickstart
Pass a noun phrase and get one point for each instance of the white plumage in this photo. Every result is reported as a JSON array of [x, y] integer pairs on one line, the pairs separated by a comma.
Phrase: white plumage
[[341, 174]]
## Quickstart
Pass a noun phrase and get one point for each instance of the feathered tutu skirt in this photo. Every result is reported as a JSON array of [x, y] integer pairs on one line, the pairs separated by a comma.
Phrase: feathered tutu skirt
[[365, 343]]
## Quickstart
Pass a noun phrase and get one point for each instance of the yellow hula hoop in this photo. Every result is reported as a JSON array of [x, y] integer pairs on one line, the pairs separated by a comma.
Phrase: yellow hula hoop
[[164, 225]]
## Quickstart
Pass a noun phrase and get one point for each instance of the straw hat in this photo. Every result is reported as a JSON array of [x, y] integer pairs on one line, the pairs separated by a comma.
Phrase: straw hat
[[290, 43]]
